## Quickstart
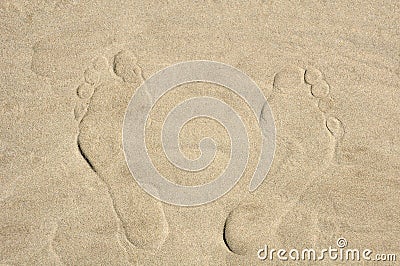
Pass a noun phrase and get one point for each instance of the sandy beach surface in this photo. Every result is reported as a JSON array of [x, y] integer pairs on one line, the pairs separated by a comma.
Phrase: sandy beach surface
[[329, 70]]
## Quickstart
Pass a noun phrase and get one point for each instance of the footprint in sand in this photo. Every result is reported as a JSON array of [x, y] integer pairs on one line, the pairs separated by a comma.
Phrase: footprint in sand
[[306, 141], [100, 109]]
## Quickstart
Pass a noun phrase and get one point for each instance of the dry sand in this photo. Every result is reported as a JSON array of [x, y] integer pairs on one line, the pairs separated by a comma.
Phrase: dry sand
[[329, 69]]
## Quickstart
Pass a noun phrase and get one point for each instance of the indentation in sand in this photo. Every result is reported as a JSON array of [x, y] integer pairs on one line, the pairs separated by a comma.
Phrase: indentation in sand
[[100, 143], [301, 140]]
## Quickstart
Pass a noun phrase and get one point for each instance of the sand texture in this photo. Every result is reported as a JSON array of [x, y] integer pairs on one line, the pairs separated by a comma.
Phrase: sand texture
[[330, 71]]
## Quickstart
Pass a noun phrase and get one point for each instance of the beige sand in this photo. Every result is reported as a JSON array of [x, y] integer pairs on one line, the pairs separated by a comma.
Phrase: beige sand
[[329, 69]]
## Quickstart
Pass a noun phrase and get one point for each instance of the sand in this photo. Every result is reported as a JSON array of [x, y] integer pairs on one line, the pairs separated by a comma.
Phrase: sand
[[330, 72]]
